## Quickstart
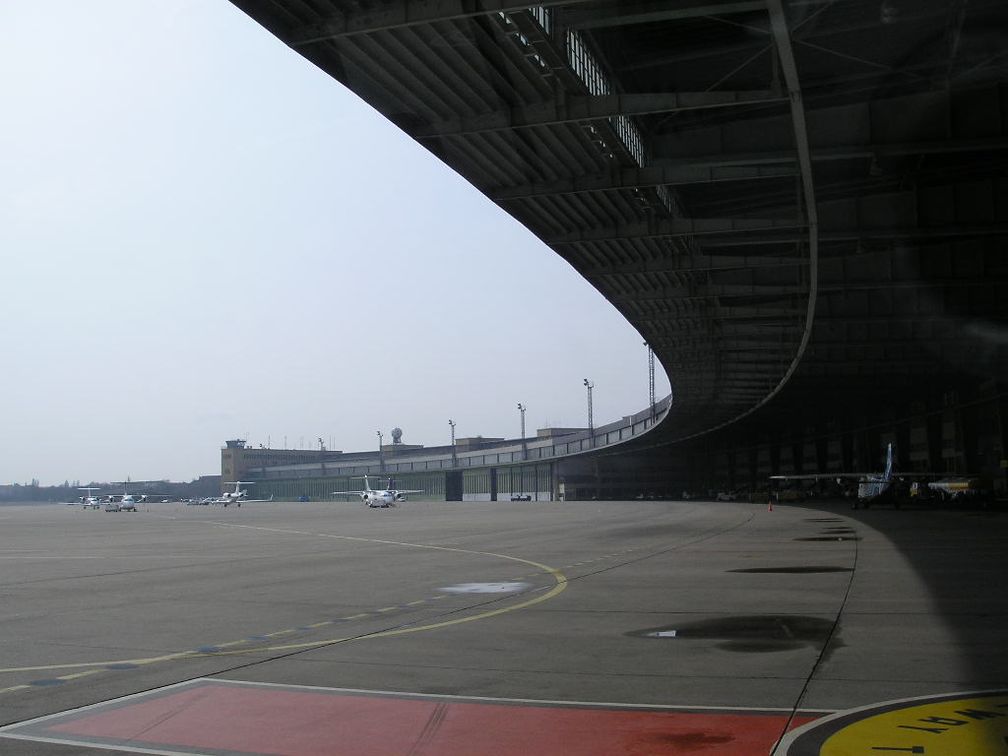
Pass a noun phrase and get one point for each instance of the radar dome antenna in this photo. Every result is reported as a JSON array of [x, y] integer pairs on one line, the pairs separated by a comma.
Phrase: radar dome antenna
[[397, 435]]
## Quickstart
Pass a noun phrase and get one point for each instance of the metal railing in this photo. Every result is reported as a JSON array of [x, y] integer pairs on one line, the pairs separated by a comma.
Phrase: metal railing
[[502, 453]]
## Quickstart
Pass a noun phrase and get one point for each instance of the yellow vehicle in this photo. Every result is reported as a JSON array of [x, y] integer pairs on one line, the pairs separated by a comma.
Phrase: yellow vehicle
[[958, 488], [791, 494]]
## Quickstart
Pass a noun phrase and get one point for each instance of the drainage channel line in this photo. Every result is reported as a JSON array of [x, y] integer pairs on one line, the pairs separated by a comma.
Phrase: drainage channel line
[[822, 655]]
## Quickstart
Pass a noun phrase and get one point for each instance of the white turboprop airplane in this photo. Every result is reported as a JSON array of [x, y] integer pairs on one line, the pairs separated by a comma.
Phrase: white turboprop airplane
[[379, 498], [90, 501], [127, 502], [871, 486], [239, 494]]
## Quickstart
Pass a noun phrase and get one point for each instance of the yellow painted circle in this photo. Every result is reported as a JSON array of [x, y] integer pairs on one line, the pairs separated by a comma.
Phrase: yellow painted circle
[[966, 724], [222, 649]]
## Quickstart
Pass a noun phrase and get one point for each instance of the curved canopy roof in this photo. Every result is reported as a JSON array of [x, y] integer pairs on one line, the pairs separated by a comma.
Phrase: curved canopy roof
[[804, 194]]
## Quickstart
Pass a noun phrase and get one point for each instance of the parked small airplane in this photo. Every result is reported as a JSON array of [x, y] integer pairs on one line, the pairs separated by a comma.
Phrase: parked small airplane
[[239, 494], [870, 485], [89, 501], [379, 498], [126, 501]]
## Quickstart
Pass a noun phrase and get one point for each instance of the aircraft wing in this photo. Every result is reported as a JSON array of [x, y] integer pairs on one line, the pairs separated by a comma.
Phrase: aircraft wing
[[858, 476], [412, 490], [825, 476], [349, 493]]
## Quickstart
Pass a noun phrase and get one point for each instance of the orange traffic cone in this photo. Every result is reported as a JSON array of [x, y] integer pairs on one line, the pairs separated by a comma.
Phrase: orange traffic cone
[[769, 507]]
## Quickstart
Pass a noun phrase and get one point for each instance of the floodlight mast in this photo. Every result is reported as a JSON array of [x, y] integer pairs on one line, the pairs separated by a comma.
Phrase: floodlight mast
[[521, 409], [651, 395]]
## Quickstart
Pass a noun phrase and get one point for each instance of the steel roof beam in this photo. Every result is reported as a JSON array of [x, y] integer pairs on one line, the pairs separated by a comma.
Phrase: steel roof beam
[[733, 347], [855, 234], [624, 14], [827, 153], [665, 227], [728, 332], [404, 13], [648, 176], [934, 315], [698, 264], [584, 108], [764, 316], [862, 344], [709, 291], [707, 169]]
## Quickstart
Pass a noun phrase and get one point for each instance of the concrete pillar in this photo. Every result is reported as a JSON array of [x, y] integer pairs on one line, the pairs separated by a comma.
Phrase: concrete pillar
[[453, 485], [822, 451], [847, 452], [753, 466], [775, 455], [1001, 481], [934, 443], [903, 461]]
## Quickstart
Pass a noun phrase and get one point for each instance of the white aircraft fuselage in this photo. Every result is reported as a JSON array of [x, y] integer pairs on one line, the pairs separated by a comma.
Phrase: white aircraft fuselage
[[238, 496], [386, 497], [379, 498]]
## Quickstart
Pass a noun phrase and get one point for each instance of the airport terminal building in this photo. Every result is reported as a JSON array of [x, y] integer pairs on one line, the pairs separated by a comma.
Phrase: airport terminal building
[[554, 465], [800, 206], [959, 435]]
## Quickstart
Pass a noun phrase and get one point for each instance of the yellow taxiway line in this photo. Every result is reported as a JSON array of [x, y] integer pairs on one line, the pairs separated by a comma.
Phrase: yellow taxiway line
[[559, 585]]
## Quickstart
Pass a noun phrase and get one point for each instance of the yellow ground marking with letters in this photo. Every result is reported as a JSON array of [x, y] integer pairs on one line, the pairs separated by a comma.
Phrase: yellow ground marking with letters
[[953, 724], [958, 727]]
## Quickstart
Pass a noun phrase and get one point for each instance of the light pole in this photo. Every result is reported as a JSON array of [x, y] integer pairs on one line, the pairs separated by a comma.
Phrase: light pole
[[650, 361], [381, 459], [521, 409], [589, 385], [452, 424]]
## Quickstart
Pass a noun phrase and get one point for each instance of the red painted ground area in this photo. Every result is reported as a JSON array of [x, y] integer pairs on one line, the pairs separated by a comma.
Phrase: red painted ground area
[[215, 717]]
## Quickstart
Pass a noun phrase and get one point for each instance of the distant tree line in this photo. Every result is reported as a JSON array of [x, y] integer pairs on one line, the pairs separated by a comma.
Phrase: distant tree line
[[206, 485]]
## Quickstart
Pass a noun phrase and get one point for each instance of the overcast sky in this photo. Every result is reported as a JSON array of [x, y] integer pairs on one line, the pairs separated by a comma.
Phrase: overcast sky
[[204, 237]]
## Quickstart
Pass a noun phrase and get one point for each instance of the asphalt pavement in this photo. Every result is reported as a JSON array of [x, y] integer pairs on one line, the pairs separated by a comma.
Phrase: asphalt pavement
[[451, 627]]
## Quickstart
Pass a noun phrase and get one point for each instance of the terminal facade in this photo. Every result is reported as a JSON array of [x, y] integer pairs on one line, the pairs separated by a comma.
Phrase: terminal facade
[[556, 464], [957, 435]]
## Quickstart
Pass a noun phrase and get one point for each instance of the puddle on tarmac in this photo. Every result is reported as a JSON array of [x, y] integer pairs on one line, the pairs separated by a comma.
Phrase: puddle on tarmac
[[748, 634], [501, 587], [792, 570]]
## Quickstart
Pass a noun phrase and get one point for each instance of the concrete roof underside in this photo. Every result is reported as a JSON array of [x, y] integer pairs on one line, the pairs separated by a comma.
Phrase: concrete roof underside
[[791, 201]]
